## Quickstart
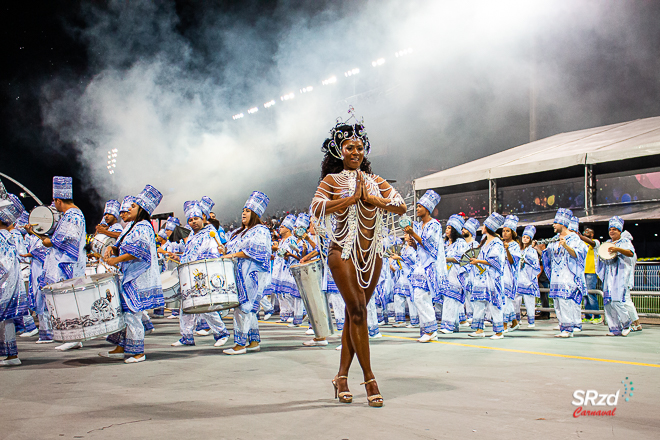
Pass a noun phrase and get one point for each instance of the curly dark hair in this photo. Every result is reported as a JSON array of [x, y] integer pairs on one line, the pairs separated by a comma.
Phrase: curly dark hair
[[333, 165]]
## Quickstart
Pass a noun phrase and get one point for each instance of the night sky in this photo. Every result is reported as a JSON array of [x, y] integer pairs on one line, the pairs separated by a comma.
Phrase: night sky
[[603, 71]]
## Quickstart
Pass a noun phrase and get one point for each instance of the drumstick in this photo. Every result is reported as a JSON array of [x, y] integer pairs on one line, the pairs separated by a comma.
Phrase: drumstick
[[214, 235]]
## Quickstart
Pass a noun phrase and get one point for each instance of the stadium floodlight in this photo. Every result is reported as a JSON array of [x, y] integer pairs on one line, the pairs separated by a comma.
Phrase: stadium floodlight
[[378, 62], [306, 89], [352, 72], [238, 116], [269, 103], [253, 110], [403, 52], [331, 80], [287, 96]]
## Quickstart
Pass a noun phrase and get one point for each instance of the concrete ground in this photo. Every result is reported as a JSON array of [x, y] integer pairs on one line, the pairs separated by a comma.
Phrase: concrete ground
[[518, 387]]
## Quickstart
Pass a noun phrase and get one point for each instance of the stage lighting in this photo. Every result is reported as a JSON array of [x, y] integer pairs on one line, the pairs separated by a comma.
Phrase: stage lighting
[[238, 116], [352, 72], [331, 80], [306, 89], [269, 103], [253, 110], [287, 96], [378, 62]]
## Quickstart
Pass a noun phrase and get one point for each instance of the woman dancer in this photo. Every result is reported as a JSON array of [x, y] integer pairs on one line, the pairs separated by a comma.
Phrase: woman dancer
[[528, 282], [453, 291], [402, 288], [251, 246], [511, 270], [357, 200], [140, 277]]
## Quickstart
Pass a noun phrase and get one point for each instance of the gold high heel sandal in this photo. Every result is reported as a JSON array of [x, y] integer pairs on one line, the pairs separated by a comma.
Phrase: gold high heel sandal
[[375, 400], [344, 396]]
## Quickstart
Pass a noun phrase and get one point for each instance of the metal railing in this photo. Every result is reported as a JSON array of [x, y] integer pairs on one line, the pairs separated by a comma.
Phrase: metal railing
[[647, 276]]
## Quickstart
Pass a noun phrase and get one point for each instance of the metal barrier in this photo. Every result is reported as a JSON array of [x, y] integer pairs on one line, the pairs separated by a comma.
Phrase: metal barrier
[[646, 303], [647, 276]]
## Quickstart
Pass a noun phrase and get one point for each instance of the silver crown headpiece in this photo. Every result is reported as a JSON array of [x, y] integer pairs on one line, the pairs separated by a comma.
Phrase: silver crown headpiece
[[339, 135]]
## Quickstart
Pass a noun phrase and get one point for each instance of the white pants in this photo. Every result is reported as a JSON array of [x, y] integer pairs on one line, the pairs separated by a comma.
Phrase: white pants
[[438, 311], [132, 337], [338, 309], [530, 306], [8, 345], [298, 310], [632, 310], [286, 307], [479, 312], [568, 313], [468, 305], [427, 321], [617, 316], [400, 308], [266, 305], [451, 309], [188, 322], [372, 317], [508, 310], [45, 330], [246, 327]]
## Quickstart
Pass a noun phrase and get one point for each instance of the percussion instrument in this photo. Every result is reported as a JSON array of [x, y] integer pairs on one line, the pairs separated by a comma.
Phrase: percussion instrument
[[547, 241], [25, 274], [170, 281], [96, 268], [100, 243], [208, 285], [44, 219], [405, 221], [469, 254], [84, 308], [605, 255], [299, 231], [309, 277]]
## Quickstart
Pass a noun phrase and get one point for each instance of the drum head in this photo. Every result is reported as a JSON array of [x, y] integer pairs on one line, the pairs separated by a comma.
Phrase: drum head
[[42, 218], [604, 251]]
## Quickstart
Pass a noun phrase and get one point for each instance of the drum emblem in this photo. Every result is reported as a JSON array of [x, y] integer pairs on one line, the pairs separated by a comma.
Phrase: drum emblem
[[217, 281], [102, 309]]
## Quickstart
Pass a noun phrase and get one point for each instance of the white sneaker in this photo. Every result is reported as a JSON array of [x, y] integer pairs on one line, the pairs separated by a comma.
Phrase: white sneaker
[[488, 324], [257, 348], [610, 334], [463, 324], [496, 336], [376, 336], [555, 327], [625, 332], [410, 326], [231, 351], [134, 360], [564, 335], [445, 331], [315, 343], [173, 317], [69, 346], [177, 344], [506, 330], [310, 331], [220, 342], [515, 327], [203, 332], [289, 320], [477, 335], [399, 324], [28, 334], [428, 338], [531, 325], [267, 316], [338, 348], [577, 330], [107, 354], [10, 362], [44, 341]]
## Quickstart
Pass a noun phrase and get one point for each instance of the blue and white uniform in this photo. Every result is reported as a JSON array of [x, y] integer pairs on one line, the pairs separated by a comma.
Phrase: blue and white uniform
[[616, 277], [454, 289], [511, 271], [566, 275], [141, 287], [528, 282], [403, 290]]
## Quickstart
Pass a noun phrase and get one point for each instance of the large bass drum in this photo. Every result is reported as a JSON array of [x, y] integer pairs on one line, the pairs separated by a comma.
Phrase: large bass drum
[[171, 291], [44, 219], [208, 285], [309, 277], [100, 243], [85, 307]]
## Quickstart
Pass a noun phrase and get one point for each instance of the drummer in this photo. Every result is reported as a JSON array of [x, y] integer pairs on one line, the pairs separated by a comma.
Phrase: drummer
[[13, 299], [282, 282], [615, 274], [135, 254], [67, 258], [112, 228], [200, 246], [250, 245]]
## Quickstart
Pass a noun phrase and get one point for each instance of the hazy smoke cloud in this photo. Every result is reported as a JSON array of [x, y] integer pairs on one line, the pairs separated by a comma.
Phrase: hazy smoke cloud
[[163, 92]]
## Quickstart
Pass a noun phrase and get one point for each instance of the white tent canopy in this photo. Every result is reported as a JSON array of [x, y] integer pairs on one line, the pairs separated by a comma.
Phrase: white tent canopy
[[590, 146]]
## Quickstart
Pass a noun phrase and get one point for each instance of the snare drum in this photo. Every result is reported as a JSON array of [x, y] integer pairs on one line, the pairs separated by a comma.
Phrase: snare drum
[[208, 285], [85, 307], [309, 277], [44, 219], [100, 242], [170, 281], [97, 269]]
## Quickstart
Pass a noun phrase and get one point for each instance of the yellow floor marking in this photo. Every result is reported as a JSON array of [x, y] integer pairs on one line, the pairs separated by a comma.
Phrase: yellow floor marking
[[512, 350]]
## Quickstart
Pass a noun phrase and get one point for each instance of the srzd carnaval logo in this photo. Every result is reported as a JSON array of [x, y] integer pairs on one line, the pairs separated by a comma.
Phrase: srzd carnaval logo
[[606, 403]]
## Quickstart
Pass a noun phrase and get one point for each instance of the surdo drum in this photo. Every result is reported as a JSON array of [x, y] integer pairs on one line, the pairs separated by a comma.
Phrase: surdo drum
[[85, 307], [208, 285], [44, 219], [309, 277]]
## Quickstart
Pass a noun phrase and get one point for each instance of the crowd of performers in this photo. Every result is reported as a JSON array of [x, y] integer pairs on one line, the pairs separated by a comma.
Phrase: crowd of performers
[[426, 279]]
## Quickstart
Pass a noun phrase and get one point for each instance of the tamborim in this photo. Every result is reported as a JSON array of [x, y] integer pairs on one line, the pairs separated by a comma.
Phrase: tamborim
[[604, 253], [85, 307], [208, 285], [44, 219], [308, 278]]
